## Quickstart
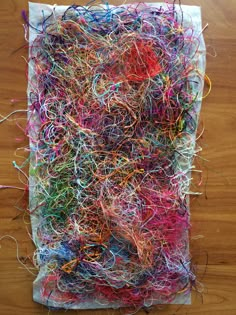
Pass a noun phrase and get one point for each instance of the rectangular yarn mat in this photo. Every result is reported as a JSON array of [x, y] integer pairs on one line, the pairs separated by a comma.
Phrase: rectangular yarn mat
[[114, 99]]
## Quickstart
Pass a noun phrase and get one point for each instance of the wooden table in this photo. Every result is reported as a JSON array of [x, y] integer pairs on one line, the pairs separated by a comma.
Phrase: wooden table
[[213, 214]]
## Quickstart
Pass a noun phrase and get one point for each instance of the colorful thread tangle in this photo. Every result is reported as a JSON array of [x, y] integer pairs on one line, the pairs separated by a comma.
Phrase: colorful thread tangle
[[114, 96]]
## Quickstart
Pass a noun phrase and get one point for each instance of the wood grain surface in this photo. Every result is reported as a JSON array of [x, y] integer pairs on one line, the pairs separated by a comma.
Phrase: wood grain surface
[[213, 215]]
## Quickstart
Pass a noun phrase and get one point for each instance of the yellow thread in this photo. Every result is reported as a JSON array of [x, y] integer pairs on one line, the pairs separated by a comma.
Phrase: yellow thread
[[68, 267], [208, 82]]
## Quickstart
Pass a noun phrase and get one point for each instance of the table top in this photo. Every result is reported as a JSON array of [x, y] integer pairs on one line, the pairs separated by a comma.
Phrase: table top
[[213, 214]]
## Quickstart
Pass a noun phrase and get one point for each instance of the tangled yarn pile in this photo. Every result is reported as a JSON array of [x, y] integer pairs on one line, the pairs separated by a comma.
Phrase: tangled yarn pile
[[114, 95]]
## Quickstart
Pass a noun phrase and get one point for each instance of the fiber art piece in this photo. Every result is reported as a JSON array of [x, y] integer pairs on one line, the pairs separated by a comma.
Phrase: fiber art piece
[[114, 98]]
